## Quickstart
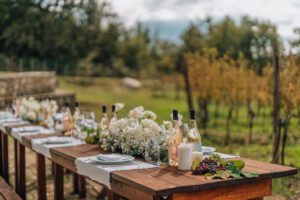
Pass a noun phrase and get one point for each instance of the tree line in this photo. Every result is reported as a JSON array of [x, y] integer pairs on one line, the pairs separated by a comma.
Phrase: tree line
[[86, 37]]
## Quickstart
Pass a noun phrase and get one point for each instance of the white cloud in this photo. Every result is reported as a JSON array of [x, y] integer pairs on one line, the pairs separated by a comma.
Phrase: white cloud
[[283, 13]]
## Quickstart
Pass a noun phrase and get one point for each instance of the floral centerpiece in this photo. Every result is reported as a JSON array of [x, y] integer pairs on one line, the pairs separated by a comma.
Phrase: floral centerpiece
[[130, 134], [35, 111]]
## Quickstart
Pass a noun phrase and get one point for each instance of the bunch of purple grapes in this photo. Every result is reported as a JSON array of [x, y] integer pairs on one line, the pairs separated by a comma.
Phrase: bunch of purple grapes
[[206, 166]]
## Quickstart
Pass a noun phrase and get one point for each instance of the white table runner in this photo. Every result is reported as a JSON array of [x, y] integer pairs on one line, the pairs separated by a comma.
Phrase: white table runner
[[40, 145], [101, 173], [4, 123], [19, 132]]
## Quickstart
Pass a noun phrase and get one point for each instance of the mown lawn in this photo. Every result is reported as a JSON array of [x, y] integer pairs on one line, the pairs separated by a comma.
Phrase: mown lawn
[[159, 96]]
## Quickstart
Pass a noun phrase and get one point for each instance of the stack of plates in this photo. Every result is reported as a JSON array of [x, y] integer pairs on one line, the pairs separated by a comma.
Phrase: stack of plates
[[208, 150], [58, 140], [112, 159]]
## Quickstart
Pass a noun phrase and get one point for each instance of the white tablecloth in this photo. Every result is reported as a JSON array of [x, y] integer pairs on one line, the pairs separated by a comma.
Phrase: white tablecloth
[[101, 173], [19, 132], [40, 146]]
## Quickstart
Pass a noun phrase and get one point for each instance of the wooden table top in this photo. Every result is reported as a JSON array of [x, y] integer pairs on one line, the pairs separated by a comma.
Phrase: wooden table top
[[166, 179]]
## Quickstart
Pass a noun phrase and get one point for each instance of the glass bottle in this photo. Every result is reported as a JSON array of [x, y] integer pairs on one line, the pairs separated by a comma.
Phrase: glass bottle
[[174, 140], [17, 104], [115, 117], [76, 115], [68, 119], [104, 123], [193, 135]]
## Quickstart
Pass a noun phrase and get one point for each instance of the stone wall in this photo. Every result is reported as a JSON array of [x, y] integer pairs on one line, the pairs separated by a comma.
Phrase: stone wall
[[27, 83]]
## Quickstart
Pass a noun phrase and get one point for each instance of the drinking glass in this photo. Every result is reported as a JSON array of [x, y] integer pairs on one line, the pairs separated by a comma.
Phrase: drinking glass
[[184, 130], [152, 152]]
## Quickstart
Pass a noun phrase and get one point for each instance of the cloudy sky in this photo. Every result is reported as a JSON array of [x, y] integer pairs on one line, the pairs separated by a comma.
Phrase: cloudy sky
[[169, 18]]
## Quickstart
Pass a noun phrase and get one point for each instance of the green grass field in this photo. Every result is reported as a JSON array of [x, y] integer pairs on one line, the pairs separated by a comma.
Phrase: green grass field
[[159, 96]]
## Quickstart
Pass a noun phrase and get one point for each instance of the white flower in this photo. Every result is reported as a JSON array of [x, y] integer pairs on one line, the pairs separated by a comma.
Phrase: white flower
[[149, 115], [119, 106], [136, 113], [167, 124], [147, 123], [31, 116]]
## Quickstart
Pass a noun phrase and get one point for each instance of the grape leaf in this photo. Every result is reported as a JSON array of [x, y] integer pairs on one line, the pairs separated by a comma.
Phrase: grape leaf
[[218, 175], [235, 172], [249, 174], [238, 163]]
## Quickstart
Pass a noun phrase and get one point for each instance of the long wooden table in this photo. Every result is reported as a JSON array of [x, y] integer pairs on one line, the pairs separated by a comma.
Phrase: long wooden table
[[164, 182], [170, 183], [20, 164]]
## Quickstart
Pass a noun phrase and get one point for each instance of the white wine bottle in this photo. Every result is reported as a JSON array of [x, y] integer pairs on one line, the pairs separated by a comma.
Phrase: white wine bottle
[[115, 117], [175, 140], [193, 135], [104, 123], [76, 115], [68, 119]]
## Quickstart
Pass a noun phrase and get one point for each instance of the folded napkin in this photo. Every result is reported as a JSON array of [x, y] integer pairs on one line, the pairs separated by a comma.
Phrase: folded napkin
[[19, 132], [226, 156], [41, 146], [102, 173]]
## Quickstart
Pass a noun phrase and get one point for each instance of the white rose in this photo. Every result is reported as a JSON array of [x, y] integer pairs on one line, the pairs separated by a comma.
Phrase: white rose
[[136, 113], [31, 116], [147, 123], [119, 106], [149, 115]]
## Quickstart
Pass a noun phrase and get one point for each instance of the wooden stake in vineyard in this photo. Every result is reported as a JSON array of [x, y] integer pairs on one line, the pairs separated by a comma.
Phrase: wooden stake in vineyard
[[187, 83], [276, 105]]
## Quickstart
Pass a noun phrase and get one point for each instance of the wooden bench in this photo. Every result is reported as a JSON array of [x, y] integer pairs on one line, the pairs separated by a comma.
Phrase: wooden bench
[[6, 192]]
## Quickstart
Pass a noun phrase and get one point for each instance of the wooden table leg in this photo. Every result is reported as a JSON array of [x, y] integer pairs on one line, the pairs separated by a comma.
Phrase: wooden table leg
[[21, 171], [75, 183], [1, 153], [41, 176], [4, 152], [16, 165], [58, 182], [81, 187], [113, 196]]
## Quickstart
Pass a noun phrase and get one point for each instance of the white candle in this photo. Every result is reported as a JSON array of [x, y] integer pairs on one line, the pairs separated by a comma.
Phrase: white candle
[[197, 154], [184, 156]]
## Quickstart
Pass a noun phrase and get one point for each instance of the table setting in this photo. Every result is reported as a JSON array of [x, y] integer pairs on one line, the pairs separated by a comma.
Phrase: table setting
[[43, 145], [100, 167], [20, 132]]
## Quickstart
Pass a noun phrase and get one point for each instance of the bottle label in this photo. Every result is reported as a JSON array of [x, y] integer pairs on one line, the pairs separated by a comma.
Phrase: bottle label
[[197, 146]]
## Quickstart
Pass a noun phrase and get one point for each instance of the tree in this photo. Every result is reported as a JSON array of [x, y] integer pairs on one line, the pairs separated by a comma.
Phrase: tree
[[59, 32]]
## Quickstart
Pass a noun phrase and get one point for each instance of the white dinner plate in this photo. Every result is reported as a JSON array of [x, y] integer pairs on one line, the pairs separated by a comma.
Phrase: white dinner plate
[[30, 129], [58, 140], [112, 159], [208, 150], [12, 120]]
